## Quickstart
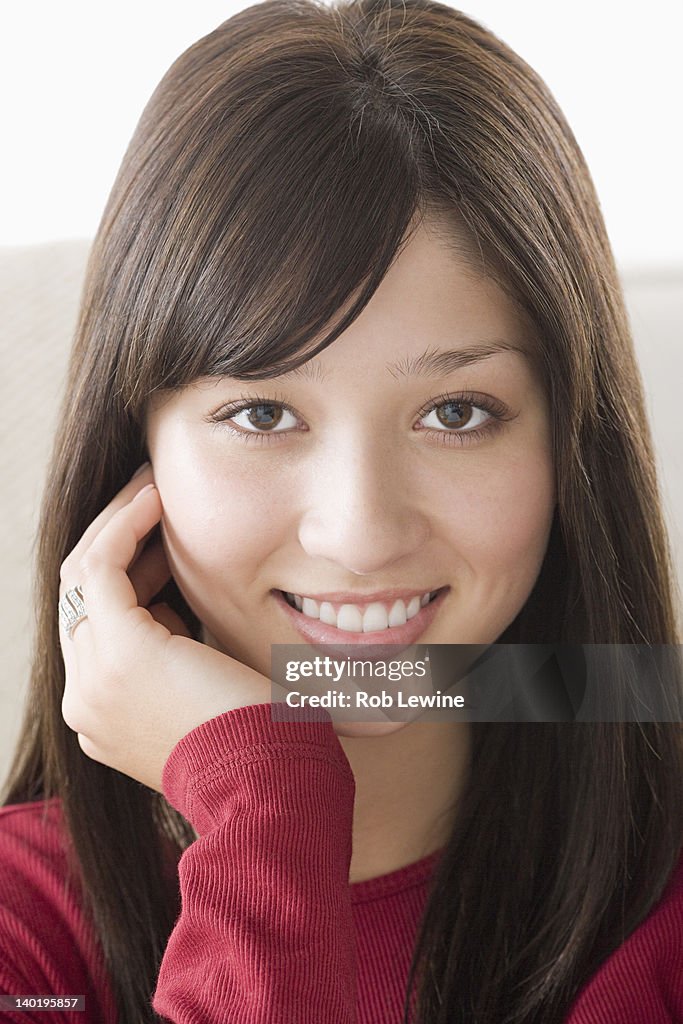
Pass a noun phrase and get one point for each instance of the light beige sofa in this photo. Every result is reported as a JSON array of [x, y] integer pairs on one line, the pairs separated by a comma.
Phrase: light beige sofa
[[39, 295]]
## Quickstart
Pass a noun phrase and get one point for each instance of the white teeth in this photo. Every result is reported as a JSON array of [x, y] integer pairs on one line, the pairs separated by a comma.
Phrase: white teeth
[[350, 618], [375, 617], [353, 618], [397, 615], [328, 614], [311, 608]]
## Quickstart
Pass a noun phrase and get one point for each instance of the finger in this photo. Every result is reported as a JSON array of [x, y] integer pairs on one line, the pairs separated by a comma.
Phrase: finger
[[143, 476], [70, 567], [107, 589], [142, 546]]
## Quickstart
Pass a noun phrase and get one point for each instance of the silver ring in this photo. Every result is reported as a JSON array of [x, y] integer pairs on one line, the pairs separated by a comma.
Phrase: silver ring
[[72, 610]]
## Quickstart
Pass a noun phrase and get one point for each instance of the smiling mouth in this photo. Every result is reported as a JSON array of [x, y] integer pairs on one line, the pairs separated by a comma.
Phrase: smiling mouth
[[368, 618]]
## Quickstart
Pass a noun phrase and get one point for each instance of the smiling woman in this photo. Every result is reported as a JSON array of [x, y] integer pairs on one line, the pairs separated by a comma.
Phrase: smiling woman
[[385, 397], [433, 432]]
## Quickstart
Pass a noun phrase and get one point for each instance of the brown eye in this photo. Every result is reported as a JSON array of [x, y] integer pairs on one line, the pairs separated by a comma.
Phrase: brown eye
[[458, 417], [454, 414], [264, 417]]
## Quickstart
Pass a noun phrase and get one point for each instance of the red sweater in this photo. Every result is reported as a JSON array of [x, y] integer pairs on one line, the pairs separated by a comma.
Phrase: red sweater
[[270, 928]]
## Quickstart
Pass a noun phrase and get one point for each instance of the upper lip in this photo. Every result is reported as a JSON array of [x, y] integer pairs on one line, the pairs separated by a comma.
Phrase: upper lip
[[351, 597]]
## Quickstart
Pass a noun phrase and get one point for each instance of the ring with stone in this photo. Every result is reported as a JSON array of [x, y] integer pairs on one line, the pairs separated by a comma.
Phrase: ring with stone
[[72, 610]]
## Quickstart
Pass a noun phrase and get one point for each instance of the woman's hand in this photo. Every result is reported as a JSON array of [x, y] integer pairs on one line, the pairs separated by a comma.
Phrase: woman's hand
[[136, 682]]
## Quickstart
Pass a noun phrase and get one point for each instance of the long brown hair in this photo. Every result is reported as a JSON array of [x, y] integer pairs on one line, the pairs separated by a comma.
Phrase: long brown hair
[[269, 184]]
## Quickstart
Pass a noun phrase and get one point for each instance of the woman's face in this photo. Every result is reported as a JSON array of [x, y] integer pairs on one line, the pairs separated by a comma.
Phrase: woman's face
[[410, 458]]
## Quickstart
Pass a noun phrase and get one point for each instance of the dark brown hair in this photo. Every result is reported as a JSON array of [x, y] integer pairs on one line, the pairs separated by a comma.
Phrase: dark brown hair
[[269, 184]]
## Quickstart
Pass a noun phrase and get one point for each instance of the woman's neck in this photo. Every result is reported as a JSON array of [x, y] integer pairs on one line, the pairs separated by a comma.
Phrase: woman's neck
[[407, 788], [408, 784]]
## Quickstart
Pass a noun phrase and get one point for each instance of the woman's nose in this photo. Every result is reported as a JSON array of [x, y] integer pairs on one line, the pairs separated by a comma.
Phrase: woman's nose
[[360, 511]]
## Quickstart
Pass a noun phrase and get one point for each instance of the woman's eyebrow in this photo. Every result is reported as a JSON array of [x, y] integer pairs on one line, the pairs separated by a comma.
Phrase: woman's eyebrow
[[432, 362], [436, 362]]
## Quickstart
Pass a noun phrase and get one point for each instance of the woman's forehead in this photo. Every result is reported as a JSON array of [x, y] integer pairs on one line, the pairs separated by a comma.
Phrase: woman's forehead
[[434, 312]]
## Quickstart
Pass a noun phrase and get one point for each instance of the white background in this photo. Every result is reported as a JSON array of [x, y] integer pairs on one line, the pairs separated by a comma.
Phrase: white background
[[75, 76]]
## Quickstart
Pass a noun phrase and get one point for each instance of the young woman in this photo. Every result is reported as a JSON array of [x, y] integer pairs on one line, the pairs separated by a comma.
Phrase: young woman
[[352, 315]]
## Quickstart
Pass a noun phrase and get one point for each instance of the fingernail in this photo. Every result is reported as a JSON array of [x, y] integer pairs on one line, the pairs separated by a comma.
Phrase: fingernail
[[149, 487], [140, 469]]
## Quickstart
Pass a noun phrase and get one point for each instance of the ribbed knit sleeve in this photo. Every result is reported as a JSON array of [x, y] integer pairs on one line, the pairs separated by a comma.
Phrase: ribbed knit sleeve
[[266, 931]]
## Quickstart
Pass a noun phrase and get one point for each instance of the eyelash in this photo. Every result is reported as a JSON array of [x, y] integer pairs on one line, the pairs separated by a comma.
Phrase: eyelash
[[498, 414]]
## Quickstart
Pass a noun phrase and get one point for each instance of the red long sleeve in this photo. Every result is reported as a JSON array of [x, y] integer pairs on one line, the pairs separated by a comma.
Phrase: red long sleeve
[[266, 928], [270, 929]]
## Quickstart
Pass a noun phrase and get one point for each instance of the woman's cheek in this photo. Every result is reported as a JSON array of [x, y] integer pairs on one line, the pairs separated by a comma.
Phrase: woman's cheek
[[521, 519], [496, 519], [207, 529]]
